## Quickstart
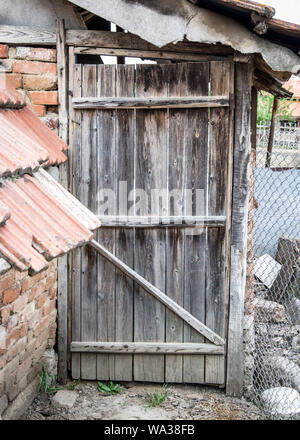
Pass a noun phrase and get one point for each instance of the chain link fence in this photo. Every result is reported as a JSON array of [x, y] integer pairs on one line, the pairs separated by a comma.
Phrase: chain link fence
[[272, 303], [286, 135]]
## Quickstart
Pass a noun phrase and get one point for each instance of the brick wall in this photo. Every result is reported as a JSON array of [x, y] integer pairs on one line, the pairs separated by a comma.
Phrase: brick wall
[[27, 304], [27, 328], [33, 72]]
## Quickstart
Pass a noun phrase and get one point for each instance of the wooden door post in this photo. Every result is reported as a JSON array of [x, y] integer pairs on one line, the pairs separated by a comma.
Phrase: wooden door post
[[240, 200], [62, 276]]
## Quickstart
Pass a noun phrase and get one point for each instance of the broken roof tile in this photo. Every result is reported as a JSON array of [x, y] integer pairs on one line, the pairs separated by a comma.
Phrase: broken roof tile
[[39, 219], [4, 214], [40, 227], [70, 203], [9, 97], [26, 143]]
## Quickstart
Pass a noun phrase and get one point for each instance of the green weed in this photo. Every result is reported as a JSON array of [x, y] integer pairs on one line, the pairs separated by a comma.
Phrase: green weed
[[110, 388], [158, 397], [72, 386], [45, 383]]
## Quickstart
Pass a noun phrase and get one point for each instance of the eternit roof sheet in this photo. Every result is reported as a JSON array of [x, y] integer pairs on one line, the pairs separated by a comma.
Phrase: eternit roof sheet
[[4, 214], [26, 143], [70, 203], [9, 97], [40, 227], [39, 219]]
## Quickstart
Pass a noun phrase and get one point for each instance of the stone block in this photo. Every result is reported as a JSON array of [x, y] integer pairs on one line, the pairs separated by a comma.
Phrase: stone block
[[268, 311], [64, 399]]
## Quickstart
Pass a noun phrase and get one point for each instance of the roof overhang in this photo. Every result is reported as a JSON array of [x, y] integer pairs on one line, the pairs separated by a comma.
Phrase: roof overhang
[[257, 17], [171, 21]]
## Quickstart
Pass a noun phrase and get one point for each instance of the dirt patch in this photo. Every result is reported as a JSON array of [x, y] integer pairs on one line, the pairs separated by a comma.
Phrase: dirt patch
[[182, 403]]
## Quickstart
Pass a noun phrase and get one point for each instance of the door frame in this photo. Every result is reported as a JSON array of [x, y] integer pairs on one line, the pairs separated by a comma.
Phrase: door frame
[[238, 185]]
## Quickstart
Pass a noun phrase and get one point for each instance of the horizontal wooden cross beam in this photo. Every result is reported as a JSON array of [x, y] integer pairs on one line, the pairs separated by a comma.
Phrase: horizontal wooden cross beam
[[114, 221], [146, 348], [140, 103], [164, 54], [159, 295]]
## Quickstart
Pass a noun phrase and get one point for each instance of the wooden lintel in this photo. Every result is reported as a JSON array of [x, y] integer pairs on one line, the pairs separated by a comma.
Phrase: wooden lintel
[[108, 41], [150, 54], [24, 35], [145, 348], [140, 103], [159, 295], [164, 222]]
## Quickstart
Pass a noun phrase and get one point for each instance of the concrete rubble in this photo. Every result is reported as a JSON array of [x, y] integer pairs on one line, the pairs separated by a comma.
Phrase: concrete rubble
[[273, 365], [64, 399], [282, 402], [266, 269], [49, 361], [268, 311], [287, 370]]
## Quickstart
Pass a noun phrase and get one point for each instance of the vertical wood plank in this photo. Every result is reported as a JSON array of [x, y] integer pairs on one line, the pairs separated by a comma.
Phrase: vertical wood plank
[[229, 203], [175, 237], [217, 182], [169, 150], [241, 184], [150, 173], [124, 237], [106, 165], [62, 266], [195, 178], [75, 157], [70, 85], [89, 257]]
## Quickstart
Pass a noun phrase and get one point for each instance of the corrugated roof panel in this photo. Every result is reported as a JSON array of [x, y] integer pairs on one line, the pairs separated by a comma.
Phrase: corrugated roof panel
[[40, 227], [9, 97], [294, 86], [26, 143], [15, 246], [71, 204], [4, 266], [18, 153], [295, 107], [39, 220], [4, 214], [46, 137]]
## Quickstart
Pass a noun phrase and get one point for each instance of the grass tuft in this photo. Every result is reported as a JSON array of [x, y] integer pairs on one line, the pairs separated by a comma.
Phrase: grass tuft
[[157, 398]]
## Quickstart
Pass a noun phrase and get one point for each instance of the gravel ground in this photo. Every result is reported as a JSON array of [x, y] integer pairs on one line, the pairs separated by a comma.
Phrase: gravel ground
[[182, 403]]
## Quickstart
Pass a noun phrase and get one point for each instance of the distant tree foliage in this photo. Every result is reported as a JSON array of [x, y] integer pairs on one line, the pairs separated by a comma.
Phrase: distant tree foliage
[[265, 106]]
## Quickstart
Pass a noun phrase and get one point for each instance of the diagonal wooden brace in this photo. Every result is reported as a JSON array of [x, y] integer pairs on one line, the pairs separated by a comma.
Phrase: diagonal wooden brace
[[159, 295]]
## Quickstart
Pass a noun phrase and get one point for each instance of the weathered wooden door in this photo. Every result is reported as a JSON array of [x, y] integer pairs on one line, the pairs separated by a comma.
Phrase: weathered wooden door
[[171, 162]]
